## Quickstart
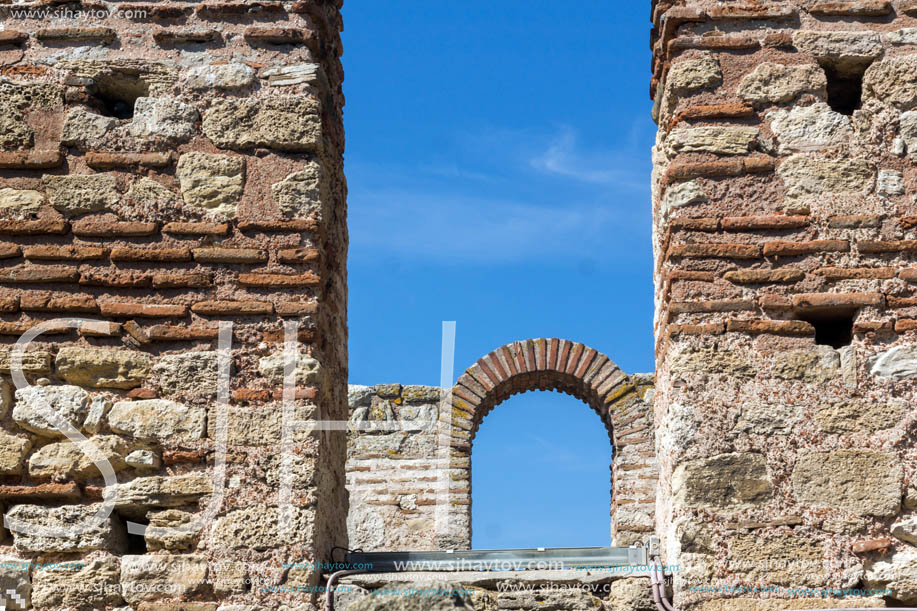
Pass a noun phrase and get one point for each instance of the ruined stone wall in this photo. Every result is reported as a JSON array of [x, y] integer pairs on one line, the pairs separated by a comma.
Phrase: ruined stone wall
[[784, 237], [163, 167]]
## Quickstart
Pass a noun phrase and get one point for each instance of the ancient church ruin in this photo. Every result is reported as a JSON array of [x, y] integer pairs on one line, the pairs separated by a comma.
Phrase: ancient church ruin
[[173, 288]]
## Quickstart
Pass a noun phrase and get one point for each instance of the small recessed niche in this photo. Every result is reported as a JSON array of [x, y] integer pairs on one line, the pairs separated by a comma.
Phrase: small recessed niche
[[845, 86], [116, 95], [136, 543], [832, 327]]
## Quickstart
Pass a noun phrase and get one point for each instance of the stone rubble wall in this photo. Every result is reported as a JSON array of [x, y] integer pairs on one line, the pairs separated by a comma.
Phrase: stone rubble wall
[[785, 462], [164, 168]]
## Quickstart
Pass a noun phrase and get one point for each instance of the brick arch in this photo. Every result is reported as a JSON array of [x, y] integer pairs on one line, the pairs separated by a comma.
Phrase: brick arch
[[572, 368]]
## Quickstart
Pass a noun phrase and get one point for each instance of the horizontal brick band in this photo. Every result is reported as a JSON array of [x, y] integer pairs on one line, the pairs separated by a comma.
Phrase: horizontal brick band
[[126, 310], [76, 34], [182, 280], [113, 229], [229, 255], [837, 300], [232, 308], [49, 302], [115, 278], [31, 160], [764, 276], [39, 227], [31, 274], [717, 328], [168, 333], [762, 223], [889, 246], [856, 273], [856, 8], [724, 305], [206, 229], [720, 251], [106, 161], [782, 248], [151, 255], [278, 280], [773, 327], [65, 253]]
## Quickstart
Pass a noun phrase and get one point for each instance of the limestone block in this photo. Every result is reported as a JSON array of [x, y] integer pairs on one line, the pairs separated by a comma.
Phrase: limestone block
[[858, 481], [257, 528], [904, 36], [756, 604], [170, 518], [891, 182], [682, 194], [33, 363], [892, 81], [900, 363], [158, 420], [768, 419], [77, 194], [378, 418], [98, 410], [12, 450], [15, 133], [307, 369], [725, 482], [717, 140], [294, 74], [214, 182], [570, 599], [809, 128], [300, 467], [897, 572], [286, 123], [234, 75], [164, 118], [780, 560], [818, 365], [906, 529], [301, 193], [93, 586], [71, 402], [689, 75], [14, 575], [102, 368], [164, 491], [143, 460], [86, 129], [148, 577], [711, 361], [843, 48], [148, 192], [65, 460], [261, 426], [110, 535], [778, 83], [20, 201], [806, 175], [192, 373], [358, 395], [421, 394], [857, 416]]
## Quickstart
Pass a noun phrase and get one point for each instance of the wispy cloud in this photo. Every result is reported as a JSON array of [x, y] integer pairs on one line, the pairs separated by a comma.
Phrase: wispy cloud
[[565, 158]]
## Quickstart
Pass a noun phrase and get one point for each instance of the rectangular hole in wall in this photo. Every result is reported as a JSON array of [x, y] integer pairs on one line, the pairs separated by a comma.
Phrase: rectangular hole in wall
[[833, 327], [845, 85]]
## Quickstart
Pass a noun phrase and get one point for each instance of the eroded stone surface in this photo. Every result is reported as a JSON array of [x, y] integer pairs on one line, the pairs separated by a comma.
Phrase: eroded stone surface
[[843, 48], [146, 577], [71, 402], [92, 586], [892, 81], [717, 140], [102, 368], [809, 128], [191, 373], [858, 481], [257, 528], [897, 572], [158, 420], [20, 201], [300, 194], [110, 535], [806, 175], [900, 362], [163, 118], [855, 416], [65, 460], [220, 76], [307, 368], [724, 482], [164, 491], [78, 194], [13, 449], [287, 123], [213, 182], [778, 83]]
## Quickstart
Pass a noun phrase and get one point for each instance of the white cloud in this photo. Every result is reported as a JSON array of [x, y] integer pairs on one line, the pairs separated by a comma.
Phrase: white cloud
[[564, 158]]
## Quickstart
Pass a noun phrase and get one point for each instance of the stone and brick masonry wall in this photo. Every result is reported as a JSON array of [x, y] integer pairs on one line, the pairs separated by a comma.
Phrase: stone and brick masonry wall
[[784, 220], [164, 167], [407, 459]]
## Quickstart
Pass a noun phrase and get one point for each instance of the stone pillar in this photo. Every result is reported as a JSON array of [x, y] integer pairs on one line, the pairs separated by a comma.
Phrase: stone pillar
[[784, 239], [165, 166]]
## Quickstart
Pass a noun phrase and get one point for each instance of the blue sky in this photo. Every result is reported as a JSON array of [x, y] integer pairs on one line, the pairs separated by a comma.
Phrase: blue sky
[[498, 163]]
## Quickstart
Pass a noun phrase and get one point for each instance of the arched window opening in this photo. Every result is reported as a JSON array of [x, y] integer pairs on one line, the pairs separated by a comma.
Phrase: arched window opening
[[540, 475]]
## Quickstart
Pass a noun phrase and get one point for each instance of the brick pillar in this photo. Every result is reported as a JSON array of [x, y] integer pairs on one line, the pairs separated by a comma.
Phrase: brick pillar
[[784, 239], [163, 168]]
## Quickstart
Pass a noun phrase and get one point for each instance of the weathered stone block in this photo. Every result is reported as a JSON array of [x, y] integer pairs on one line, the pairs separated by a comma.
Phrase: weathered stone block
[[78, 194], [170, 518], [12, 450], [95, 585], [307, 369], [214, 182], [712, 361], [690, 75], [15, 202], [286, 123], [809, 128], [167, 119], [156, 577], [905, 529], [302, 193], [778, 83], [817, 366], [71, 402], [726, 482], [64, 460], [682, 194], [842, 48], [110, 535], [779, 560], [14, 575], [86, 129], [806, 175], [258, 528], [158, 420], [857, 416], [900, 363], [897, 572], [163, 491], [101, 368], [892, 81], [148, 192], [190, 373], [891, 182], [717, 140], [220, 76], [858, 481]]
